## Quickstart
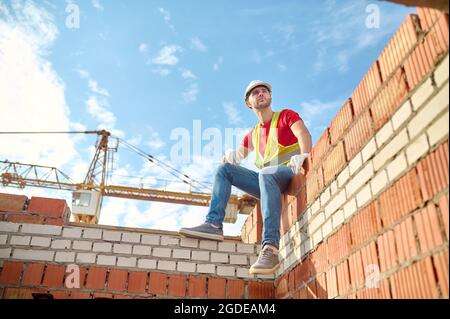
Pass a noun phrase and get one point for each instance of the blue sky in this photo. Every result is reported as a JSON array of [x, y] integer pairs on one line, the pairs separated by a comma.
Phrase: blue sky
[[142, 69]]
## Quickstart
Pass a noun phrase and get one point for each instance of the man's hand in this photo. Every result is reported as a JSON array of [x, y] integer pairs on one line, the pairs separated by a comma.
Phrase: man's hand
[[233, 157], [296, 162]]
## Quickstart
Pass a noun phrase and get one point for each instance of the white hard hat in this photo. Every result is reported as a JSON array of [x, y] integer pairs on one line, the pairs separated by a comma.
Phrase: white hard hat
[[254, 84]]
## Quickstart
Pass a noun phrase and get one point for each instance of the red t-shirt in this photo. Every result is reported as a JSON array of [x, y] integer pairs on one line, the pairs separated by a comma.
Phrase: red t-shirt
[[285, 135]]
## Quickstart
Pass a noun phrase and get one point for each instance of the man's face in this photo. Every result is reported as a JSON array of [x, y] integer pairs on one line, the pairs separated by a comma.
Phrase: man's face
[[259, 98]]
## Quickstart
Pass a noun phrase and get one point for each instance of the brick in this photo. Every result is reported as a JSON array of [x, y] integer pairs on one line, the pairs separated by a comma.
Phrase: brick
[[208, 244], [365, 225], [177, 286], [126, 262], [441, 73], [387, 251], [186, 267], [440, 262], [226, 246], [320, 149], [339, 244], [142, 250], [162, 252], [312, 185], [405, 240], [335, 203], [167, 265], [131, 238], [366, 89], [422, 94], [216, 288], [428, 17], [422, 286], [429, 112], [181, 253], [137, 282], [338, 218], [150, 239], [334, 187], [197, 287], [401, 115], [82, 245], [360, 179], [158, 283], [206, 268], [358, 135], [426, 55], [380, 291], [397, 167], [343, 177], [260, 290], [443, 205], [24, 218], [316, 222], [112, 235], [102, 295], [63, 256], [11, 273], [54, 276], [433, 172], [350, 208], [9, 227], [92, 233], [60, 294], [355, 164], [20, 240], [235, 289], [245, 248], [17, 293], [12, 203], [379, 182], [369, 256], [106, 260], [61, 244], [391, 149], [54, 221], [169, 241], [96, 278], [428, 228], [40, 241], [72, 232], [400, 199], [384, 134], [47, 206], [120, 248], [33, 275], [343, 278], [147, 263], [317, 237], [189, 242], [85, 258], [321, 285], [417, 149], [341, 122], [334, 162], [117, 280], [332, 289], [364, 196], [38, 255], [41, 229], [325, 196], [439, 130], [369, 150], [200, 255], [356, 269], [398, 47], [102, 247], [80, 295]]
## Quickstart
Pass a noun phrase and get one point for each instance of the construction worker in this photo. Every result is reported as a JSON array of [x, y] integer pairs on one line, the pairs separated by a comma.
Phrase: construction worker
[[281, 143]]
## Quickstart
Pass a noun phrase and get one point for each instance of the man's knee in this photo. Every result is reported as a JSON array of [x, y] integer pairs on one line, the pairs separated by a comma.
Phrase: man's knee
[[225, 169]]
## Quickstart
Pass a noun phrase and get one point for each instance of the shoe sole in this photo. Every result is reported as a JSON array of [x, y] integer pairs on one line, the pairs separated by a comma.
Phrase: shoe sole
[[195, 234], [261, 271]]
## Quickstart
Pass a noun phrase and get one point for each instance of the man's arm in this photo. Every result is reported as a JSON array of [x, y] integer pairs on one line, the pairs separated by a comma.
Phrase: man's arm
[[303, 136]]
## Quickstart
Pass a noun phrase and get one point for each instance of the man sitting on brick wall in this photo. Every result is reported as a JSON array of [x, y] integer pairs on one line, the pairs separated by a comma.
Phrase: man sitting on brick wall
[[281, 143]]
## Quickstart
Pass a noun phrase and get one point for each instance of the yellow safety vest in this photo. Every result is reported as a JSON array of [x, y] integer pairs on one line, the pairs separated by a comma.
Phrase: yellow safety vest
[[275, 154]]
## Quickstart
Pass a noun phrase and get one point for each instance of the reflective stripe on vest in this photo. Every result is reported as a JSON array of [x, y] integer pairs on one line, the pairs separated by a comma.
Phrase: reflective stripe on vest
[[275, 154]]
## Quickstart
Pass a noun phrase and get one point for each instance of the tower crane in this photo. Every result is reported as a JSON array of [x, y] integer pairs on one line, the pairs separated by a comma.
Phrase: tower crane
[[87, 196]]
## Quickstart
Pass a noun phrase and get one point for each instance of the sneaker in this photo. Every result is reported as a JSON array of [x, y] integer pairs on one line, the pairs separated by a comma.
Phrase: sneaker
[[267, 262], [204, 231]]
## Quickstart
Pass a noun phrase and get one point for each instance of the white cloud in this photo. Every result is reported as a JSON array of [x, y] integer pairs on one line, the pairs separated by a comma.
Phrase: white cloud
[[287, 32], [93, 85], [217, 65], [166, 55], [32, 94], [187, 74], [98, 109], [197, 44], [233, 114], [161, 71], [190, 94], [153, 140], [281, 67], [97, 5], [143, 47], [167, 18]]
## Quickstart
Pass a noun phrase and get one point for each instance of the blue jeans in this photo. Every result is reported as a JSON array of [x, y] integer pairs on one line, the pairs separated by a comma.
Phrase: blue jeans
[[267, 185]]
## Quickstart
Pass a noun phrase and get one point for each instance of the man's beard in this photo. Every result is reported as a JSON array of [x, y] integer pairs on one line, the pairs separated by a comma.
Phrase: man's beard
[[265, 104]]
